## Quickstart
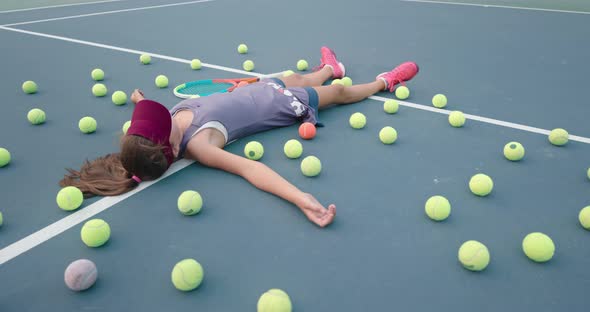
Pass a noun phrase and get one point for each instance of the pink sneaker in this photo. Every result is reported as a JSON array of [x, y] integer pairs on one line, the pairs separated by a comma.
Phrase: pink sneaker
[[400, 74], [329, 59]]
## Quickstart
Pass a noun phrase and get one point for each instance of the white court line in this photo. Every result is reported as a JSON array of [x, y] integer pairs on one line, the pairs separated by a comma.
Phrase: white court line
[[497, 6], [58, 6], [107, 12], [43, 235], [487, 120], [132, 51], [21, 246]]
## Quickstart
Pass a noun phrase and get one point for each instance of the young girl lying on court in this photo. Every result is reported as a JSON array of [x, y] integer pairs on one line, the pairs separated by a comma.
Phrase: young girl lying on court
[[199, 129]]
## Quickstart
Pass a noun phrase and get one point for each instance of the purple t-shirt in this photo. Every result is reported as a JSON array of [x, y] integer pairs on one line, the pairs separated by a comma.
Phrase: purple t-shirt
[[247, 110]]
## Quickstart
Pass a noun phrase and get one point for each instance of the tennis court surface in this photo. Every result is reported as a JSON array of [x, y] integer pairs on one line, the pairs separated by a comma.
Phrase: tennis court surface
[[517, 69]]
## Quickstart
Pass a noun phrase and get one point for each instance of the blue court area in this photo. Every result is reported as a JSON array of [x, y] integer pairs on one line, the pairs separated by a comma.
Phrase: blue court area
[[517, 73], [574, 6]]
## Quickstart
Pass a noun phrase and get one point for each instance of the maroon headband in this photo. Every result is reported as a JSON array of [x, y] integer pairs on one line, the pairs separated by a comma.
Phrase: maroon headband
[[152, 120]]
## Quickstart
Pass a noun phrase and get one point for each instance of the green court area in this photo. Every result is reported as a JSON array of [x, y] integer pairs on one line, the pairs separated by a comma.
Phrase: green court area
[[563, 5], [7, 5]]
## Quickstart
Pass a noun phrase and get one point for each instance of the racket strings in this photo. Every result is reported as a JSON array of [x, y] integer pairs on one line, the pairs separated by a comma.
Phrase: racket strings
[[205, 89]]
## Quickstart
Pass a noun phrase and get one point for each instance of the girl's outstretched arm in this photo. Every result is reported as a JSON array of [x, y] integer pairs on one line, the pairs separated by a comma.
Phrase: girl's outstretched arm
[[263, 178]]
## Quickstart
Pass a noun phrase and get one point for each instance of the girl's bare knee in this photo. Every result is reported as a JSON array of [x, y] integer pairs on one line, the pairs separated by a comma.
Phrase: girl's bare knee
[[338, 88], [294, 80], [301, 81]]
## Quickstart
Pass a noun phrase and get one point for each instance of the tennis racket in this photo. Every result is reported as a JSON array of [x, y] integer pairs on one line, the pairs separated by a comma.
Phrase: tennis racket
[[207, 87]]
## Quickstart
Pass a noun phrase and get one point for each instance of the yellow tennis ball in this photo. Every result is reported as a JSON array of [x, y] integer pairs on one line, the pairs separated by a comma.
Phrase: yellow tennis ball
[[87, 124], [357, 120], [29, 87], [196, 64], [288, 73], [391, 106], [457, 119], [337, 81], [242, 49], [439, 101], [145, 59], [513, 151], [588, 173], [437, 208], [248, 65], [69, 198], [311, 166], [95, 233], [97, 74], [538, 247], [346, 81], [187, 275], [36, 116], [119, 98], [190, 203], [481, 184], [274, 300], [584, 217], [388, 135], [126, 126], [302, 65], [254, 150], [99, 90], [558, 137], [4, 157], [161, 81], [402, 92], [474, 255], [293, 149], [1, 219]]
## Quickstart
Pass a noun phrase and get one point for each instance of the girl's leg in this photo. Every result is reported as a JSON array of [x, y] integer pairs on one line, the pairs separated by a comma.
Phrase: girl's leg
[[339, 94], [309, 80], [330, 68]]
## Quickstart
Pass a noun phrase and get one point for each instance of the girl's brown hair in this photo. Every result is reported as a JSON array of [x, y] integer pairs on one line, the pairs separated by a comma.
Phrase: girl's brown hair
[[111, 174]]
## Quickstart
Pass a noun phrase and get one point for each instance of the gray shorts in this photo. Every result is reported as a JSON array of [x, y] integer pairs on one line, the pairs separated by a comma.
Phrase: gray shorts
[[307, 96]]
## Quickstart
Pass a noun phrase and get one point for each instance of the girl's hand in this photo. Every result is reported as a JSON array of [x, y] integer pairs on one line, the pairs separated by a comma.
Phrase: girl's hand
[[315, 212], [136, 96]]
